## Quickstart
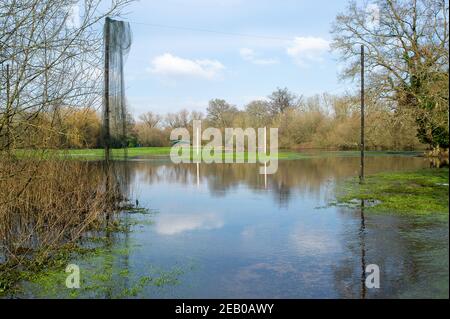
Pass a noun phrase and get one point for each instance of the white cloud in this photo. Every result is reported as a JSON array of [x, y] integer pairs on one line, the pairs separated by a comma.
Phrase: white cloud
[[170, 65], [306, 50], [250, 55]]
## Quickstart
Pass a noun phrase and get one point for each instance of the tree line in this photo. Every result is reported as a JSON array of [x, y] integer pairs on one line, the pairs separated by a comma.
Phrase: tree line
[[322, 121]]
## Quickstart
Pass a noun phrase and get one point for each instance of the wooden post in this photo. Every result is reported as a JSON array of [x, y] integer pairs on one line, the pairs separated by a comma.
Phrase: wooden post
[[362, 146], [106, 133]]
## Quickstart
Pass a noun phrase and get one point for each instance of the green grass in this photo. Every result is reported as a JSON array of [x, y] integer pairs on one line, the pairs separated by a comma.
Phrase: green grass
[[413, 192], [293, 155], [164, 152], [117, 153]]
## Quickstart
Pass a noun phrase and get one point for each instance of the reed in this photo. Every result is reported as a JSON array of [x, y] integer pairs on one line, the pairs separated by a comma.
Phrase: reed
[[45, 204]]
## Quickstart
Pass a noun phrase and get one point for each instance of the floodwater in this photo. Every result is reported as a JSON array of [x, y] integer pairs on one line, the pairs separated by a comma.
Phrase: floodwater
[[225, 231]]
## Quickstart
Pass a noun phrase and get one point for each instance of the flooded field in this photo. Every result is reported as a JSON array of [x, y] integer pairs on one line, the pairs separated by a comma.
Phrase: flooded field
[[225, 231]]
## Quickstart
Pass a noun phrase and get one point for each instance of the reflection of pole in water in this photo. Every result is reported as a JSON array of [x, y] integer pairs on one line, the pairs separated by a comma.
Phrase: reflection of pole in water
[[265, 175], [198, 174], [361, 175], [107, 171], [362, 232], [265, 162], [198, 156]]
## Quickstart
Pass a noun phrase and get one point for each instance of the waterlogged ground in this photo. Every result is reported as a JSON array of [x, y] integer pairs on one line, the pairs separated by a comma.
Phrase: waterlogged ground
[[224, 231]]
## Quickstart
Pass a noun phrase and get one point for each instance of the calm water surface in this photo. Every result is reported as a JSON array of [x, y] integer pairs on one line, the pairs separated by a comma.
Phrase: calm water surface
[[224, 231], [235, 234]]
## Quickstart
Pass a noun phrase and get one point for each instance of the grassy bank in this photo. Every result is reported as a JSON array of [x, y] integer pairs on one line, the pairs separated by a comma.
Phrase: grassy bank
[[164, 152], [414, 192]]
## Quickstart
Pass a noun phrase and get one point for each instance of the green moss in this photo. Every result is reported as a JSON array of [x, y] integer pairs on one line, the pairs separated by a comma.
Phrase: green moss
[[137, 288], [420, 192], [43, 268]]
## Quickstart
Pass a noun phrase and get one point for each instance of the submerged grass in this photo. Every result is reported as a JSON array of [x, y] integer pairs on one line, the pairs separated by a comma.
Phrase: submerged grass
[[33, 268], [103, 263], [422, 192]]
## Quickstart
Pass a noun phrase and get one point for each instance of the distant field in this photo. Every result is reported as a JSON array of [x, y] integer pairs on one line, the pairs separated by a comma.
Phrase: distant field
[[153, 152], [132, 152]]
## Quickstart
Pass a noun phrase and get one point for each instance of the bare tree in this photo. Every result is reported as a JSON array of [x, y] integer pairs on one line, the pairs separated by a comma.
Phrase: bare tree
[[258, 113], [196, 116], [177, 120], [220, 114], [50, 55], [54, 54], [152, 120], [407, 44], [281, 100]]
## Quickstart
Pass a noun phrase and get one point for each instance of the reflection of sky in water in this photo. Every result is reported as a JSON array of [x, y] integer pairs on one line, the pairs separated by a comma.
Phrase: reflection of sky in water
[[246, 241], [172, 224]]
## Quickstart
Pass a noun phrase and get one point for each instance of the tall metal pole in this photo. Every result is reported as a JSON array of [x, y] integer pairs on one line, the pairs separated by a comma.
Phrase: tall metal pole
[[106, 137], [124, 115], [106, 112], [361, 177], [8, 109]]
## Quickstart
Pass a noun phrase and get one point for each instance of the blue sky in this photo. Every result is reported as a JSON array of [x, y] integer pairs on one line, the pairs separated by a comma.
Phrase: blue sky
[[169, 69]]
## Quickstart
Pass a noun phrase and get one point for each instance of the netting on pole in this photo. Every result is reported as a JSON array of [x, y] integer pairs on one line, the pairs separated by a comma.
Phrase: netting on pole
[[117, 37]]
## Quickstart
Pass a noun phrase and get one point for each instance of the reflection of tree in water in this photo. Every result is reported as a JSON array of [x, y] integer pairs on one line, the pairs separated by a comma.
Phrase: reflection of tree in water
[[57, 206], [309, 177], [282, 192], [122, 176]]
